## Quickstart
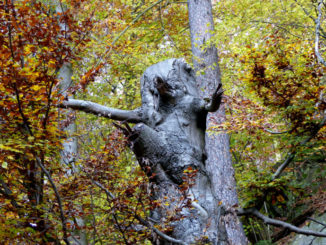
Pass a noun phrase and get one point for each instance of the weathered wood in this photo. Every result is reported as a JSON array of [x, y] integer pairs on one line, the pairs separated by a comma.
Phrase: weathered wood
[[172, 139], [174, 118], [169, 138]]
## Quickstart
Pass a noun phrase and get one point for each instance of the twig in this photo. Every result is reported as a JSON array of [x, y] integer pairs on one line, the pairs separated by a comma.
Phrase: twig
[[26, 124], [141, 220], [9, 32], [111, 196], [165, 32], [306, 12], [318, 222], [283, 165], [309, 15], [95, 233], [107, 192], [279, 223], [158, 232], [135, 20], [48, 106], [21, 112], [276, 132], [312, 241], [276, 24], [8, 194]]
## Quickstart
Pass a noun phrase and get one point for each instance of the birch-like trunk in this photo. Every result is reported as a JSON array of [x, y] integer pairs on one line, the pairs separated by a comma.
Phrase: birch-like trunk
[[70, 151]]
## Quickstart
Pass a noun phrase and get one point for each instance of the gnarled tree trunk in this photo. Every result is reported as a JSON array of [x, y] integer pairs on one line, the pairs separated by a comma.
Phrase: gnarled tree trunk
[[169, 139]]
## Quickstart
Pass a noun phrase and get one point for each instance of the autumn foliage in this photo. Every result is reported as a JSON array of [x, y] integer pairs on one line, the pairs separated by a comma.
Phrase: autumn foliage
[[33, 47], [40, 199], [274, 100]]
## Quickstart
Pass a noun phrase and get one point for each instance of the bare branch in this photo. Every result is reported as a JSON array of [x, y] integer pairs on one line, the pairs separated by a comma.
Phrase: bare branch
[[279, 223], [100, 110], [283, 165], [276, 132], [107, 192], [319, 57], [318, 222]]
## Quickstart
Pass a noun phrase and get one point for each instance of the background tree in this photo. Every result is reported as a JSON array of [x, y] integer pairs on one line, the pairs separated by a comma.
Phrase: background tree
[[219, 162]]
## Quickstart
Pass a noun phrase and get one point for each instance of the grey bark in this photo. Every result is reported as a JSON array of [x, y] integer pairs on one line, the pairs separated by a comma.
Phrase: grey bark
[[70, 146], [70, 150], [169, 139], [172, 139], [219, 163], [134, 116]]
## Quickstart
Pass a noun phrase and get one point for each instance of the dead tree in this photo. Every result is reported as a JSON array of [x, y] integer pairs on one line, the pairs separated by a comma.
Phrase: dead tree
[[169, 137]]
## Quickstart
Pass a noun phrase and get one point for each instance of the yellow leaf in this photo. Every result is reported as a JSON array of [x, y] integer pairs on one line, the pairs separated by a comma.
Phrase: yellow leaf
[[280, 198], [36, 87], [4, 165], [30, 138]]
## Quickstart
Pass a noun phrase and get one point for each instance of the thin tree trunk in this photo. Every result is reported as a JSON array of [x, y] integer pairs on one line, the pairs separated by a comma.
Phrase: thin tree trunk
[[70, 151], [218, 163]]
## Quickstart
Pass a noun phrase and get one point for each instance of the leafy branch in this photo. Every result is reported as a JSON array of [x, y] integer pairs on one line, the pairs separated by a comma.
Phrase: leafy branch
[[292, 154], [141, 220]]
